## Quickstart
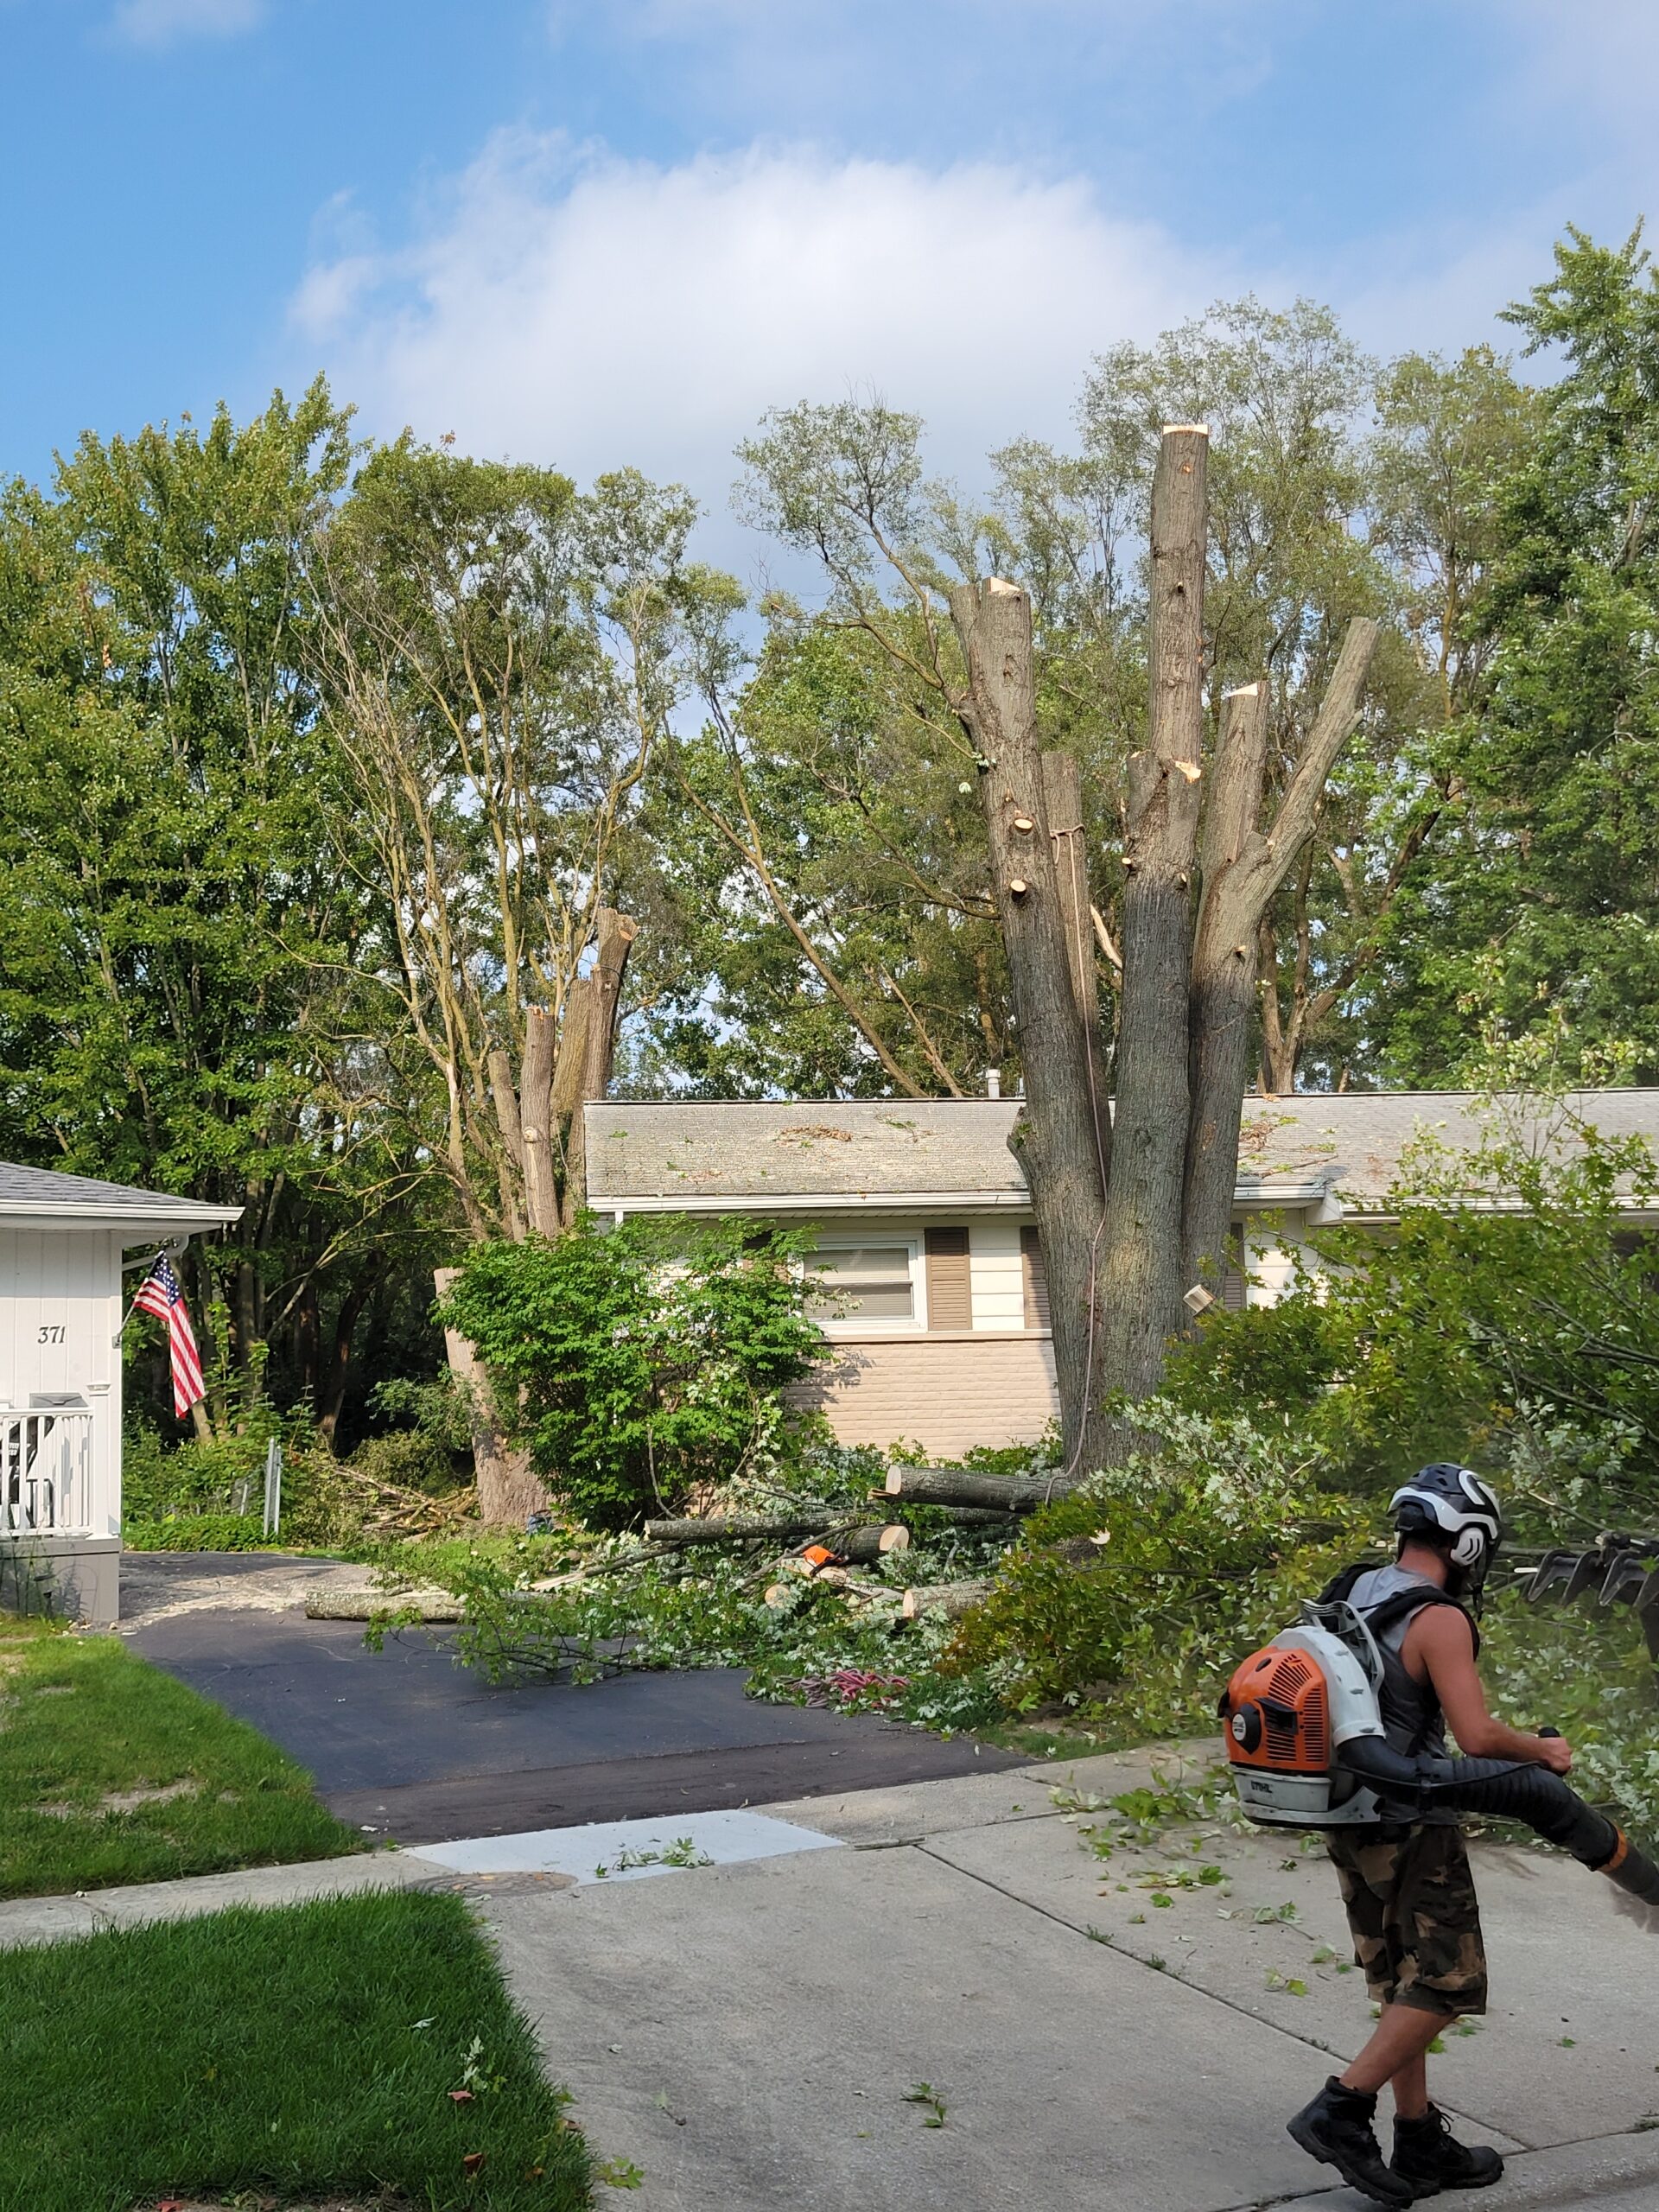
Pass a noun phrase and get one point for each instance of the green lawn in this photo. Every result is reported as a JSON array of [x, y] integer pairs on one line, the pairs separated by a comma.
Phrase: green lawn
[[295, 2053], [88, 1730]]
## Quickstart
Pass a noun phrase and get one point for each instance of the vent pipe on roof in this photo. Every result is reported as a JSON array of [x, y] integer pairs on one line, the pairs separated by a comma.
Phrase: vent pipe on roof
[[993, 1083]]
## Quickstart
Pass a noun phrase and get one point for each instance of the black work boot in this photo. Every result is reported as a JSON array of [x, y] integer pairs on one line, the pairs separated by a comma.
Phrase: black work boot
[[1337, 2128], [1429, 2156]]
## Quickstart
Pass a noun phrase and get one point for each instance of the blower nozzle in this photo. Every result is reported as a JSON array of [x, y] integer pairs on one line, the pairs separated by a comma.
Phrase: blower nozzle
[[1511, 1790]]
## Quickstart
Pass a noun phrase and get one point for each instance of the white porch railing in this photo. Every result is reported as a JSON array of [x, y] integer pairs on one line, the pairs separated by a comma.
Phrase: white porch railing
[[46, 1470]]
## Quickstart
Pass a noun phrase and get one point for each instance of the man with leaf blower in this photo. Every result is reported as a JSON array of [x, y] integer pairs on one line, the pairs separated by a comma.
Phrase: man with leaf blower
[[1407, 1881]]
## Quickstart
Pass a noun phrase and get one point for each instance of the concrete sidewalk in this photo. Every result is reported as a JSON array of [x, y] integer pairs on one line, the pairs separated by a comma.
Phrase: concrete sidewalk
[[748, 2031], [748, 2034]]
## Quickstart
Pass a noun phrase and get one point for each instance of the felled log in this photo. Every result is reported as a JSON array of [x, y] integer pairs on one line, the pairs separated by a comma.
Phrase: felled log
[[865, 1546], [961, 1486], [947, 1598], [964, 1516], [839, 1578], [738, 1531], [328, 1604]]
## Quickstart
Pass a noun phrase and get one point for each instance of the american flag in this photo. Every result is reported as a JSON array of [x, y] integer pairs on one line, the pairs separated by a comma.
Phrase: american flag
[[160, 1294]]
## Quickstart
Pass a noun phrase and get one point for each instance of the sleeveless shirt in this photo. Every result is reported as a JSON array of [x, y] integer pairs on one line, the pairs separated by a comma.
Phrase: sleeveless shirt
[[1413, 1723]]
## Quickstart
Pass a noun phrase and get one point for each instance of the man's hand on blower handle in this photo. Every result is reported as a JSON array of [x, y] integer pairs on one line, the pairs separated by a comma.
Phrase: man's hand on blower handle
[[1553, 1750]]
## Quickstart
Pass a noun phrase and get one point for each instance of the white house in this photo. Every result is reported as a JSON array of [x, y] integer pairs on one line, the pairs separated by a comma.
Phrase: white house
[[921, 1216], [72, 1250]]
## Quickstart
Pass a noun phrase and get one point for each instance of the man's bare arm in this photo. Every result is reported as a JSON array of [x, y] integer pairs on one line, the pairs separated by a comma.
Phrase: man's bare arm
[[1441, 1642]]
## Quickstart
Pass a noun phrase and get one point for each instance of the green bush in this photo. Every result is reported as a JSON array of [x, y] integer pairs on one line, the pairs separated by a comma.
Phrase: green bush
[[641, 1362], [1136, 1596]]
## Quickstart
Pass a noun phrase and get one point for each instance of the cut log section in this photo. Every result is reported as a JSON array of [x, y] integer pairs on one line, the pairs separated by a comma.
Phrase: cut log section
[[947, 1598], [739, 1530], [964, 1516], [960, 1486], [865, 1546], [362, 1605]]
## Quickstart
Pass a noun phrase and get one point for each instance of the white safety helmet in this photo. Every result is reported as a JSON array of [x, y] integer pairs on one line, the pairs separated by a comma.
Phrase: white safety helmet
[[1452, 1501]]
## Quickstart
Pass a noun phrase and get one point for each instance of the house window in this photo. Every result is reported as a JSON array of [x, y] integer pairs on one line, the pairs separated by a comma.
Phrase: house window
[[869, 1285], [1235, 1290], [1035, 1282], [950, 1287]]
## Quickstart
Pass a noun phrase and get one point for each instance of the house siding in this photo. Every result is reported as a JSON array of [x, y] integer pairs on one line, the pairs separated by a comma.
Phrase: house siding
[[60, 1306], [945, 1391]]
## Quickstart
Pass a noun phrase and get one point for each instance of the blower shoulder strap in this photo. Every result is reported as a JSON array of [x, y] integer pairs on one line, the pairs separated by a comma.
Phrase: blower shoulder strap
[[1335, 1591]]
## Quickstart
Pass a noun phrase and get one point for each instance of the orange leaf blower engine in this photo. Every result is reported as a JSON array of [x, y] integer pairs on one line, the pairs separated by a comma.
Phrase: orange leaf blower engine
[[1305, 1743]]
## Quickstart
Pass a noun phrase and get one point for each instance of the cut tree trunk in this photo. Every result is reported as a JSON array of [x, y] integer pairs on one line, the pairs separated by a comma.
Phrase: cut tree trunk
[[538, 1140], [1063, 803], [603, 987], [1064, 1140], [948, 1598], [863, 1546], [961, 1486], [1223, 1012], [509, 1491], [728, 1531], [1141, 1262], [1244, 867]]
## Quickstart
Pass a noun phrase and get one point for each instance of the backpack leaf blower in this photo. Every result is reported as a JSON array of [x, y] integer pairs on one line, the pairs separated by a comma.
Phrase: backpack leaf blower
[[1305, 1747]]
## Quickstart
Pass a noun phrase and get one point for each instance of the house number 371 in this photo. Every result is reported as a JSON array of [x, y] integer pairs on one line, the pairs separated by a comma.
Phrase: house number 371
[[51, 1332]]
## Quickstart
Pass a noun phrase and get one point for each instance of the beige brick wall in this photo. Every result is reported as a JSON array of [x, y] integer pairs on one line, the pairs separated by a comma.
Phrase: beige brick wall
[[944, 1392]]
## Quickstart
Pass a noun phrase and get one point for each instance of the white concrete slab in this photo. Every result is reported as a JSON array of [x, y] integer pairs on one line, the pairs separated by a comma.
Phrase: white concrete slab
[[751, 2039], [628, 1851]]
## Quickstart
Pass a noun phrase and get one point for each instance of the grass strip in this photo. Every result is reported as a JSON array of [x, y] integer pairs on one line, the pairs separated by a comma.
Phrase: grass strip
[[89, 1732], [304, 2051]]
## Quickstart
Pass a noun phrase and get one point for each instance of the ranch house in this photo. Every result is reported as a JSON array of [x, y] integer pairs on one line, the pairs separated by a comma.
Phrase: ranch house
[[922, 1224]]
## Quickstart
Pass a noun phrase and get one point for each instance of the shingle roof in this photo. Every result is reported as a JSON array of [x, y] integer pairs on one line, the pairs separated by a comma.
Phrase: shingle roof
[[38, 1191], [697, 1153]]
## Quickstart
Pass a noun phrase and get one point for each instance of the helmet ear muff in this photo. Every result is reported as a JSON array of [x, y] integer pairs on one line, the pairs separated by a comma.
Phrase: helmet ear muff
[[1470, 1543]]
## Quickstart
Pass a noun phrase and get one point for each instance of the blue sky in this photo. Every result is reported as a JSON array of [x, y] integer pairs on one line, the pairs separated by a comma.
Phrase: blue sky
[[609, 233]]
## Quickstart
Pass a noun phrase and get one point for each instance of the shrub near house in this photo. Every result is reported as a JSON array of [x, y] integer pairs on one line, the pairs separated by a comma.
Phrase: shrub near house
[[644, 1360]]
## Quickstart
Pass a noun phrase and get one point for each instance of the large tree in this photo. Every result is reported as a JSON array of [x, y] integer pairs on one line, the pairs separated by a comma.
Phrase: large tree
[[500, 656], [171, 920], [1545, 908], [1131, 1204]]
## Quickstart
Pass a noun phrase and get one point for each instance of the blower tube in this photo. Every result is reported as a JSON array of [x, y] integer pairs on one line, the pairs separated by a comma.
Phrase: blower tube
[[1532, 1795]]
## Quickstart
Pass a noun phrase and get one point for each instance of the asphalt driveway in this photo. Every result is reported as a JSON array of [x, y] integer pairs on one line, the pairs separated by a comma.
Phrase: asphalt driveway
[[409, 1745]]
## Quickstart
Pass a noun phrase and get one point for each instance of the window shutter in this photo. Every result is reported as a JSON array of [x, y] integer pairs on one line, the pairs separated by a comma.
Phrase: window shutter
[[1235, 1291], [949, 1290], [1035, 1282]]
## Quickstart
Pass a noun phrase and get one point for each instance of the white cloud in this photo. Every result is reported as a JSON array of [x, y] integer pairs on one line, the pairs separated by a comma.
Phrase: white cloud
[[567, 306], [159, 22]]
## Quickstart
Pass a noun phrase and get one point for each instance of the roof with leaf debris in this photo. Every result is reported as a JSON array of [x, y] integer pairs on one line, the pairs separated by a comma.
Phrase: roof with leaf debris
[[704, 1154]]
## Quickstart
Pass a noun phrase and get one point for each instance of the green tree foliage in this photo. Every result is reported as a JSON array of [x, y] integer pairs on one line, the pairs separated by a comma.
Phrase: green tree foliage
[[829, 807], [500, 657], [1547, 896], [644, 1360], [170, 914], [1511, 1315]]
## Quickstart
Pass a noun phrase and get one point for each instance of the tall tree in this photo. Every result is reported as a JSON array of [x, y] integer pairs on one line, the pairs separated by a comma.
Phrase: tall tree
[[1109, 1196], [169, 915], [501, 655], [1546, 908]]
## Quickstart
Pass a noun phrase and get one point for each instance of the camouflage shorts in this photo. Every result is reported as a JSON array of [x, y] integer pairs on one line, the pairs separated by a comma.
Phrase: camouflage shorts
[[1416, 1925]]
